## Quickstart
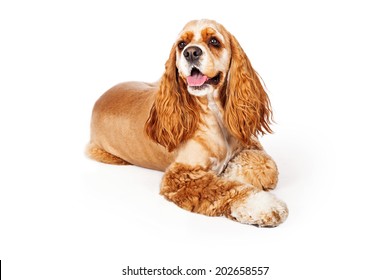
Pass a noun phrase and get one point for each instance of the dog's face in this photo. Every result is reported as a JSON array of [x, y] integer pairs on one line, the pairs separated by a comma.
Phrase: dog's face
[[203, 56]]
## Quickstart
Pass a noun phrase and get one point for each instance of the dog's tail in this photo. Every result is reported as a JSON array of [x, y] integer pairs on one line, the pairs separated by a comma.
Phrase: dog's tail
[[93, 151]]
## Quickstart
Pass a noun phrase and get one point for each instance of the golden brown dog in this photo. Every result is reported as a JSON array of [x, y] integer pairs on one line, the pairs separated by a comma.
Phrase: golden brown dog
[[199, 124]]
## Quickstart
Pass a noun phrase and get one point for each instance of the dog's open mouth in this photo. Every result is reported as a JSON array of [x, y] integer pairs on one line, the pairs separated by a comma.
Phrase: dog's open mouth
[[198, 81]]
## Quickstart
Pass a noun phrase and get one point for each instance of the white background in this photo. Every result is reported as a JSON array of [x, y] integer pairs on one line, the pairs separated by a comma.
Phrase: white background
[[63, 216]]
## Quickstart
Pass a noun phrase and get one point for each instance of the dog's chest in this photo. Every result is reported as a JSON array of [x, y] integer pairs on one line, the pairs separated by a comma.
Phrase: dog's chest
[[223, 146]]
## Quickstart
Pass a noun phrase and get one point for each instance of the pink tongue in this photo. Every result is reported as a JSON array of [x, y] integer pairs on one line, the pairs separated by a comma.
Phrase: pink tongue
[[196, 80]]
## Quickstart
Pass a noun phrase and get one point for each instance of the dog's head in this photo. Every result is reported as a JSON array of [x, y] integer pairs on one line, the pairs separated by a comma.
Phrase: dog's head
[[203, 55], [206, 59]]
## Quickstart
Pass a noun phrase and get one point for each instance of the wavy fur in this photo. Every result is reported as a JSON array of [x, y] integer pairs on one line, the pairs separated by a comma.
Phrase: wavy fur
[[247, 107], [175, 114]]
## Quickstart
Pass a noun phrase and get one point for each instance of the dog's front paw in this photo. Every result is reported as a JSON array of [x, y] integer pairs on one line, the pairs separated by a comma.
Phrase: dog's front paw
[[261, 209]]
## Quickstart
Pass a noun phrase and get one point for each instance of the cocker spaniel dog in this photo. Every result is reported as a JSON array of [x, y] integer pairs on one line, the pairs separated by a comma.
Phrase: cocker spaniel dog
[[199, 125]]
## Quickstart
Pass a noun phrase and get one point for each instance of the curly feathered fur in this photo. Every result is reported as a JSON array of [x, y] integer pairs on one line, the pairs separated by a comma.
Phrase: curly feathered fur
[[175, 114], [247, 107]]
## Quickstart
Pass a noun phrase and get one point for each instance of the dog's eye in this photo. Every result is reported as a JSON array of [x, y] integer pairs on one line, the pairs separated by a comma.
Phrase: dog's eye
[[214, 42], [181, 45]]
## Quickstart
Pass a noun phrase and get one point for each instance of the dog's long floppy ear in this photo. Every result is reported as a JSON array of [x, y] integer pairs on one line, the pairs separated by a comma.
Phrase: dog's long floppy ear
[[247, 107], [174, 116]]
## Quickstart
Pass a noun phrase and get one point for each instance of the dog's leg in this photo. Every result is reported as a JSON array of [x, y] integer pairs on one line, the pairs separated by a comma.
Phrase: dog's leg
[[198, 190], [95, 152], [253, 167]]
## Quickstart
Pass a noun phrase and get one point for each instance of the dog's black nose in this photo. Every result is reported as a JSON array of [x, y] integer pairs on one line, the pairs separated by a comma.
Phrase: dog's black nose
[[192, 54]]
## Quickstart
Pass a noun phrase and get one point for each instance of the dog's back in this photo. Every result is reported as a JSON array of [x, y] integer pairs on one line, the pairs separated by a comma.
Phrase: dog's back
[[117, 128]]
